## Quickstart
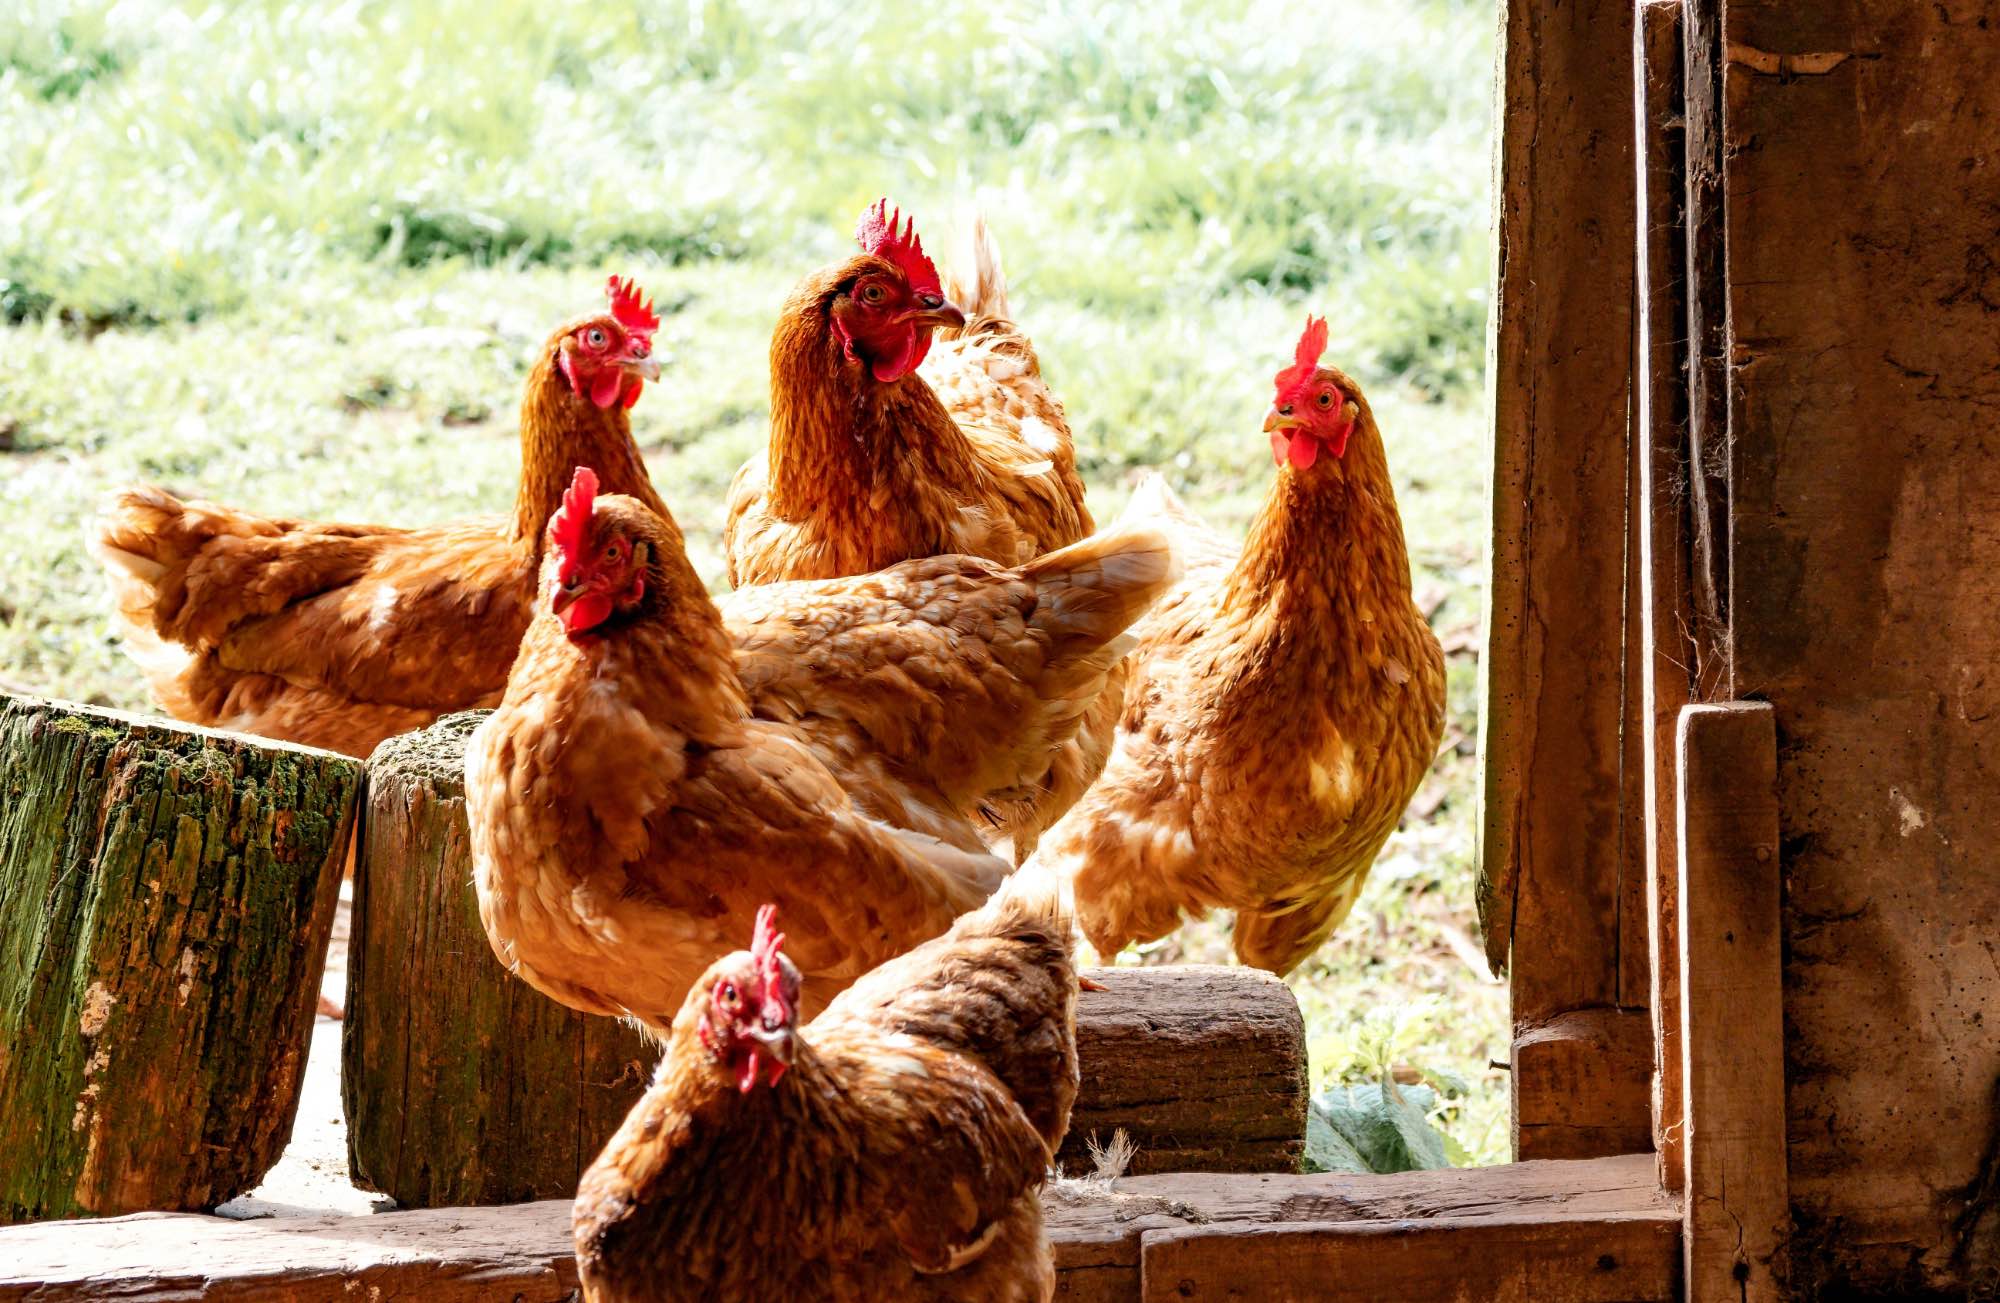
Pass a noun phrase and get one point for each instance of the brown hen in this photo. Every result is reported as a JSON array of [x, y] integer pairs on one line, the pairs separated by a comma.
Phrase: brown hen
[[339, 636], [890, 1150], [1283, 708], [631, 802], [905, 425]]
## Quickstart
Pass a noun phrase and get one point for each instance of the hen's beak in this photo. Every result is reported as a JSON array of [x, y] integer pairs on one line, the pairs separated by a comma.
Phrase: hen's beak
[[776, 1042], [937, 311], [646, 368], [565, 598], [1280, 418]]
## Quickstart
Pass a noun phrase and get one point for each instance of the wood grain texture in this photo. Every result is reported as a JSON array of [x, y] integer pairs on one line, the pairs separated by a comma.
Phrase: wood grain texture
[[1864, 305], [463, 1084], [166, 894], [1569, 1257], [1553, 691], [1561, 890], [1575, 1078], [1665, 598], [1707, 344], [1203, 1067], [1732, 1006], [1099, 1232]]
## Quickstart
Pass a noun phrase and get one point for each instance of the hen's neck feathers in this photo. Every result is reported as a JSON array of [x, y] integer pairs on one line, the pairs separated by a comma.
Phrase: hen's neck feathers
[[560, 431], [1322, 589], [842, 443]]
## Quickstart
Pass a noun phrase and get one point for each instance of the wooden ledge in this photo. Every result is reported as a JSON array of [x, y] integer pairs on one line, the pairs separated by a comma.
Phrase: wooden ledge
[[1554, 1232]]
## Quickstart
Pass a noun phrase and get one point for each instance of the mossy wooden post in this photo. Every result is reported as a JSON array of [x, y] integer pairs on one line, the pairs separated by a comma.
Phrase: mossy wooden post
[[463, 1084], [166, 894]]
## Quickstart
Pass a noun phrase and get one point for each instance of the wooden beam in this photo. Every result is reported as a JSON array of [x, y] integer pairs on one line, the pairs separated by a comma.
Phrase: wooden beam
[[1561, 888], [1732, 1005], [166, 894], [1666, 604], [1552, 694], [1570, 1256], [1553, 1218], [1707, 299]]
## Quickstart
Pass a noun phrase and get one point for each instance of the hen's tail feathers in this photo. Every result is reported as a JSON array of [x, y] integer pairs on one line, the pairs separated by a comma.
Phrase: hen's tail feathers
[[974, 280], [1033, 900], [1155, 504], [144, 537], [1089, 594]]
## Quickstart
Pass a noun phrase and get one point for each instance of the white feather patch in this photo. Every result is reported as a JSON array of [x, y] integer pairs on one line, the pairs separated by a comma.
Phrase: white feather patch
[[1041, 436]]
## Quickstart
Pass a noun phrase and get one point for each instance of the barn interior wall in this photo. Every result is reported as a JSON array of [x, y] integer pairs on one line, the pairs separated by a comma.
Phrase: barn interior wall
[[1861, 160]]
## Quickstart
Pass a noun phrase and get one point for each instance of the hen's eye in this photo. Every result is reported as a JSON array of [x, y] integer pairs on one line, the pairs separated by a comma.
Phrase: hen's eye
[[613, 552], [595, 337], [1326, 399], [729, 993], [871, 293]]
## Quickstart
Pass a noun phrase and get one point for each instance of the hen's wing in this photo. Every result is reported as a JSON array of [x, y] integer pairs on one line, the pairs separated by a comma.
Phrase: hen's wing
[[329, 634], [1129, 844], [689, 843], [999, 987], [949, 1155], [948, 674]]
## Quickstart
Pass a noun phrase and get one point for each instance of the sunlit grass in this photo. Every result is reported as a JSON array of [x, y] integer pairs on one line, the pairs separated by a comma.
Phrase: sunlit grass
[[294, 256]]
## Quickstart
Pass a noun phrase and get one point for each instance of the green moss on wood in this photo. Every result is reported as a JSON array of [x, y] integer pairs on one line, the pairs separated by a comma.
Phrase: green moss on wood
[[165, 899]]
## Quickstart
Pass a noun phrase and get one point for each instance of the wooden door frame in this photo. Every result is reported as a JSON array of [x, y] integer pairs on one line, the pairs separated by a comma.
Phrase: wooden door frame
[[1629, 849]]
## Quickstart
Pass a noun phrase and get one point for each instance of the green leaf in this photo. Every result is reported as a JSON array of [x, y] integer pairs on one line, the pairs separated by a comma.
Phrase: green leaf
[[1327, 1150], [1385, 1125]]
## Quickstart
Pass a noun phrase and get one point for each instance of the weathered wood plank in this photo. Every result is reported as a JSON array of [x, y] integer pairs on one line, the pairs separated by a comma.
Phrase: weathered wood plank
[[1864, 307], [1666, 604], [1574, 1079], [1553, 693], [463, 1084], [1575, 1256], [1707, 302], [524, 1252], [1732, 1005], [1561, 889], [1203, 1067], [166, 893]]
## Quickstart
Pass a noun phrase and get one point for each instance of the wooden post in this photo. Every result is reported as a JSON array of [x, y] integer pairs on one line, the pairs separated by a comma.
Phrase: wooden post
[[1202, 1067], [464, 1085], [1665, 601], [1561, 868], [1738, 1211], [166, 893]]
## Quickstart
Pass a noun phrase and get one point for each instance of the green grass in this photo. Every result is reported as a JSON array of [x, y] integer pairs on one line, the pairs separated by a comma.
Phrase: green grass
[[294, 257]]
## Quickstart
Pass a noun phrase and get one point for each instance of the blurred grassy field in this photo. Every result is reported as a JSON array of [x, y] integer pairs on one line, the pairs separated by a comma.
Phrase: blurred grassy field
[[294, 257]]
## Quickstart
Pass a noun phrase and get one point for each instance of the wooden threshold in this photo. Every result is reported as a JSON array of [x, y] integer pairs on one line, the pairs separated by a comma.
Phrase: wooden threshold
[[1556, 1232]]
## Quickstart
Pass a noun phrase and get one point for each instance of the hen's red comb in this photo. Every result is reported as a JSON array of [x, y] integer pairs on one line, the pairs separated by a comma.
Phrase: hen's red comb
[[631, 312], [768, 942], [1305, 358], [570, 528], [877, 234]]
